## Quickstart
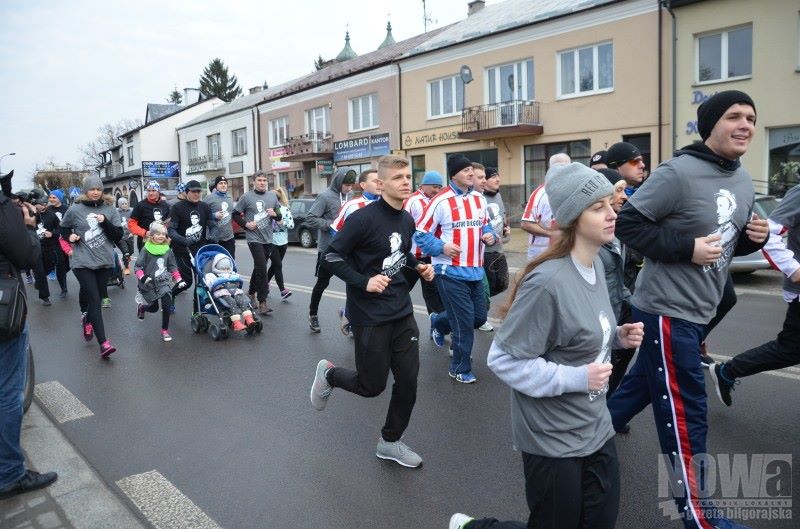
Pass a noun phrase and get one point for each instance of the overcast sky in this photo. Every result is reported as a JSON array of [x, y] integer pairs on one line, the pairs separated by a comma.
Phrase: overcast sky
[[71, 66]]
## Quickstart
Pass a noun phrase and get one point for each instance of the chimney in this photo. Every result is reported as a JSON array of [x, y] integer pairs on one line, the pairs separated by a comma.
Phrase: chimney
[[256, 89], [190, 96], [475, 6]]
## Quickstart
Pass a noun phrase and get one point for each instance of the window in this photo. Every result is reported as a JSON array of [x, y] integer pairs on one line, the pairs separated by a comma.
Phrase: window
[[445, 97], [586, 71], [130, 155], [537, 157], [417, 169], [364, 112], [725, 55], [213, 147], [510, 82], [318, 120], [191, 149], [278, 131], [239, 142]]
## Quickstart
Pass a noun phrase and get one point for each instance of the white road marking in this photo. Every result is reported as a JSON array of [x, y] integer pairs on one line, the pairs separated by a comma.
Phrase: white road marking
[[60, 402], [163, 504]]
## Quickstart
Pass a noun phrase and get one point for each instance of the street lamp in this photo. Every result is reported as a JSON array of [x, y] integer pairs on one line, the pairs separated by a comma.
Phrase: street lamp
[[1, 159]]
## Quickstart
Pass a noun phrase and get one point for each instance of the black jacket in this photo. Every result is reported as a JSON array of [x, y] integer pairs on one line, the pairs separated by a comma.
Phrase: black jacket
[[183, 237], [19, 245]]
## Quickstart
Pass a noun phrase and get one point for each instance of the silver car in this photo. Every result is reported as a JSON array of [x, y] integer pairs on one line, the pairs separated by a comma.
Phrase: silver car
[[764, 206]]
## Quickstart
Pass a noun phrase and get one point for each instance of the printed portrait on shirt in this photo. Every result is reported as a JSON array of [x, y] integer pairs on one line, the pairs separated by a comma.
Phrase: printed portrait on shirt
[[725, 203], [94, 236], [194, 232], [397, 259]]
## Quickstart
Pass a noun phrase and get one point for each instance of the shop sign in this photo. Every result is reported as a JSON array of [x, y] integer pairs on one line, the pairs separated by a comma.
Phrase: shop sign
[[275, 156], [783, 137], [431, 137], [324, 167], [364, 147], [161, 169]]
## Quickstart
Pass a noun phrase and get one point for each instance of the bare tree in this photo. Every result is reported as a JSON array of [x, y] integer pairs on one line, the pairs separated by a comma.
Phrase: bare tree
[[107, 137]]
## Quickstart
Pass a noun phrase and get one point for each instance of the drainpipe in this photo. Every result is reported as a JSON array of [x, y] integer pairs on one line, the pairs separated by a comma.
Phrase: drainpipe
[[660, 80], [399, 111], [674, 73]]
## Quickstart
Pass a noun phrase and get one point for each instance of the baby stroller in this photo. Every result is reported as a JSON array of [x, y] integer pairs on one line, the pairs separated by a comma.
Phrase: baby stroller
[[213, 316]]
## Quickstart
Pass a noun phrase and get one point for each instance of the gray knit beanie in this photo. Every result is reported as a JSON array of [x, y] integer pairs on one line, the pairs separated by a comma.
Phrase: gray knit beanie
[[572, 188], [92, 182]]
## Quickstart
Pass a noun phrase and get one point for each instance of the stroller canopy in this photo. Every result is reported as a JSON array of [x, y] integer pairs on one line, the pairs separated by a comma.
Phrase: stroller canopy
[[206, 254]]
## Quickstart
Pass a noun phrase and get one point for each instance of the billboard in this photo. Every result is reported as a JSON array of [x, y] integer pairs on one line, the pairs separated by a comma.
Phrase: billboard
[[161, 170]]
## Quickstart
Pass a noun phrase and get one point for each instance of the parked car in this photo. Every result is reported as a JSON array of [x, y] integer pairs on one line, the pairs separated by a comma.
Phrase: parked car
[[745, 264], [306, 236]]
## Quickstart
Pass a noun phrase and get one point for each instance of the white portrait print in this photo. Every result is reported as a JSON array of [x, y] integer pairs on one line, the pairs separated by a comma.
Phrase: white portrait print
[[605, 349], [725, 202], [261, 218], [495, 219], [157, 215], [59, 215], [194, 231], [40, 230], [160, 268], [94, 228], [224, 209], [396, 260]]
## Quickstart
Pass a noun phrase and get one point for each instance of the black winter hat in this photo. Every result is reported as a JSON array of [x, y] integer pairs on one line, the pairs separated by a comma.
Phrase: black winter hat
[[621, 152], [216, 181], [599, 157], [193, 184], [611, 174], [491, 171], [456, 163], [715, 106]]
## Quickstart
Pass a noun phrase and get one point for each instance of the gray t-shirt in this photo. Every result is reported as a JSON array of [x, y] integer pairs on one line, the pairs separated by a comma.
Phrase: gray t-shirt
[[694, 197], [496, 213], [94, 250], [560, 317], [254, 206], [223, 231]]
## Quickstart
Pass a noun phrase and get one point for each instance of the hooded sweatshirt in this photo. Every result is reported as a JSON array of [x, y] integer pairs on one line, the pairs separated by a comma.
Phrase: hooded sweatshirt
[[323, 211]]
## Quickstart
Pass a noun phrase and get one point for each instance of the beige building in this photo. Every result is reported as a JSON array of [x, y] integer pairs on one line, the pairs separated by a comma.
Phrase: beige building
[[749, 46], [518, 81]]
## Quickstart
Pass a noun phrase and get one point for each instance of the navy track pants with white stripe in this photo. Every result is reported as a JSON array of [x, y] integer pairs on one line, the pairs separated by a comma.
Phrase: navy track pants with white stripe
[[668, 374]]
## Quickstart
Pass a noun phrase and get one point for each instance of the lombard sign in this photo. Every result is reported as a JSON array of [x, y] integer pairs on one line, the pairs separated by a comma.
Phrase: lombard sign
[[431, 137], [161, 169], [364, 147]]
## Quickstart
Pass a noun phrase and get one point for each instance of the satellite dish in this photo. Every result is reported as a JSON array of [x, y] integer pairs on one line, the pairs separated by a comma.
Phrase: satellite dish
[[466, 74]]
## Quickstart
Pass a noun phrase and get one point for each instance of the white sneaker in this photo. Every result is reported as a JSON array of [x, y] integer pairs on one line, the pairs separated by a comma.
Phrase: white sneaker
[[398, 452], [486, 327], [459, 521]]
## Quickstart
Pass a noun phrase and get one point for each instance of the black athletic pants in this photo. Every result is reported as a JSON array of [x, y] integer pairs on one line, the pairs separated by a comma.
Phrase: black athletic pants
[[568, 493], [323, 280], [496, 268], [727, 302], [184, 260], [93, 283], [230, 245], [783, 351], [433, 303], [166, 309], [55, 259], [394, 347], [258, 280], [40, 279], [276, 265], [126, 247]]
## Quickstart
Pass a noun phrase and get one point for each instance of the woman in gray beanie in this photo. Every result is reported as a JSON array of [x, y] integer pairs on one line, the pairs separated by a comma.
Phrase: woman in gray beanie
[[553, 350], [90, 228]]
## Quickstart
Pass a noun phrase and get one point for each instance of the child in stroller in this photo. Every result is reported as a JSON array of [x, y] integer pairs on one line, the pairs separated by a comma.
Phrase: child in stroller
[[225, 285]]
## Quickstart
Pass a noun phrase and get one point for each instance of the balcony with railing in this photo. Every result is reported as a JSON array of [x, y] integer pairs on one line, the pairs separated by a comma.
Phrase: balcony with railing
[[206, 163], [309, 147], [501, 120]]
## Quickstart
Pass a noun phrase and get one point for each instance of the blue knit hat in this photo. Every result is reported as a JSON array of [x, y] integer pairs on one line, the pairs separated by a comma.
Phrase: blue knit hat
[[58, 194], [432, 178]]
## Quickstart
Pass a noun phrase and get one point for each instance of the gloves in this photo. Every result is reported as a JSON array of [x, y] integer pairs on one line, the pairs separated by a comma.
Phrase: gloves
[[181, 284]]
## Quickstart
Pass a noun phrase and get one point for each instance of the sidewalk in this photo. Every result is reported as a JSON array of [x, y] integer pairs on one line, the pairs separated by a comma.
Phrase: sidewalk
[[78, 500]]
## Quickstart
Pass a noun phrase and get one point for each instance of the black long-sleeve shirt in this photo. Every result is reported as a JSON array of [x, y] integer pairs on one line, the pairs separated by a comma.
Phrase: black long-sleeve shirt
[[376, 239]]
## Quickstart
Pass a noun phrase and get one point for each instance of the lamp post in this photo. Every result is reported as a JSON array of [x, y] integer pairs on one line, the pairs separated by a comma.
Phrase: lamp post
[[1, 159]]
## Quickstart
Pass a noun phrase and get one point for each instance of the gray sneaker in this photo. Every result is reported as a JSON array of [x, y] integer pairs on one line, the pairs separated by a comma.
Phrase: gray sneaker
[[321, 389], [398, 452], [459, 521]]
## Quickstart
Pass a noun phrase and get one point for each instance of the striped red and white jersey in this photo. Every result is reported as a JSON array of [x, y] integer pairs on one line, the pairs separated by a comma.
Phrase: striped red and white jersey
[[538, 210], [347, 208], [416, 204], [458, 219]]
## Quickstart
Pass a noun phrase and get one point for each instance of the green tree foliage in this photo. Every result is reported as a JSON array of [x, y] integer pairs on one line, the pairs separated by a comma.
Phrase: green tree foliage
[[216, 81], [175, 97]]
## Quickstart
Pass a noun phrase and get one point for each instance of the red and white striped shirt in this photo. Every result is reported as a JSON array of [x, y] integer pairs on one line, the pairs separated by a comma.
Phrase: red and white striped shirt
[[538, 210], [458, 219], [347, 208], [416, 204]]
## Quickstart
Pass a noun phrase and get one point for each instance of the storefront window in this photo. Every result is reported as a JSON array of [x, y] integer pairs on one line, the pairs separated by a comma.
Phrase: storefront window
[[784, 161], [417, 170], [537, 157]]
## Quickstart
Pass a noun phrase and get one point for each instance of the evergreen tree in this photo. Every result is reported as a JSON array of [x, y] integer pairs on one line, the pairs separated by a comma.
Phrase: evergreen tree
[[216, 81], [175, 97], [319, 63]]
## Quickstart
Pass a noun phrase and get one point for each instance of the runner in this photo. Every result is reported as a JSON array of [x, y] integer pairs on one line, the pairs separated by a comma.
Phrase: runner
[[153, 207], [537, 218], [90, 229], [125, 244], [454, 230], [222, 206], [280, 242], [322, 212], [369, 254], [557, 365]]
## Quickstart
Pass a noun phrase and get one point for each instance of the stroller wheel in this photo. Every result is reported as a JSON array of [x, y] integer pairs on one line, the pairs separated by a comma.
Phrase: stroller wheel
[[224, 333], [259, 326], [214, 331], [197, 324]]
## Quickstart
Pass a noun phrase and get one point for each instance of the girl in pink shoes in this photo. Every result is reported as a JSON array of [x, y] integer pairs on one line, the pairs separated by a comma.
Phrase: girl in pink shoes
[[157, 272]]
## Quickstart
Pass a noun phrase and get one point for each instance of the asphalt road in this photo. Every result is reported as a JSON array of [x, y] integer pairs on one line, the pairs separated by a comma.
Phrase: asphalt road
[[230, 426]]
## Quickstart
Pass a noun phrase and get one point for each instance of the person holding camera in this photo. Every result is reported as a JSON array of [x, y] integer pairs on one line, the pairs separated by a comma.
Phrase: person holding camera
[[19, 249], [91, 228]]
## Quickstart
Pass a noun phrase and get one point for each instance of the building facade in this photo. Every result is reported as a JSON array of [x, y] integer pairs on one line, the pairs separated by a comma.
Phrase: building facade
[[509, 90], [753, 47]]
